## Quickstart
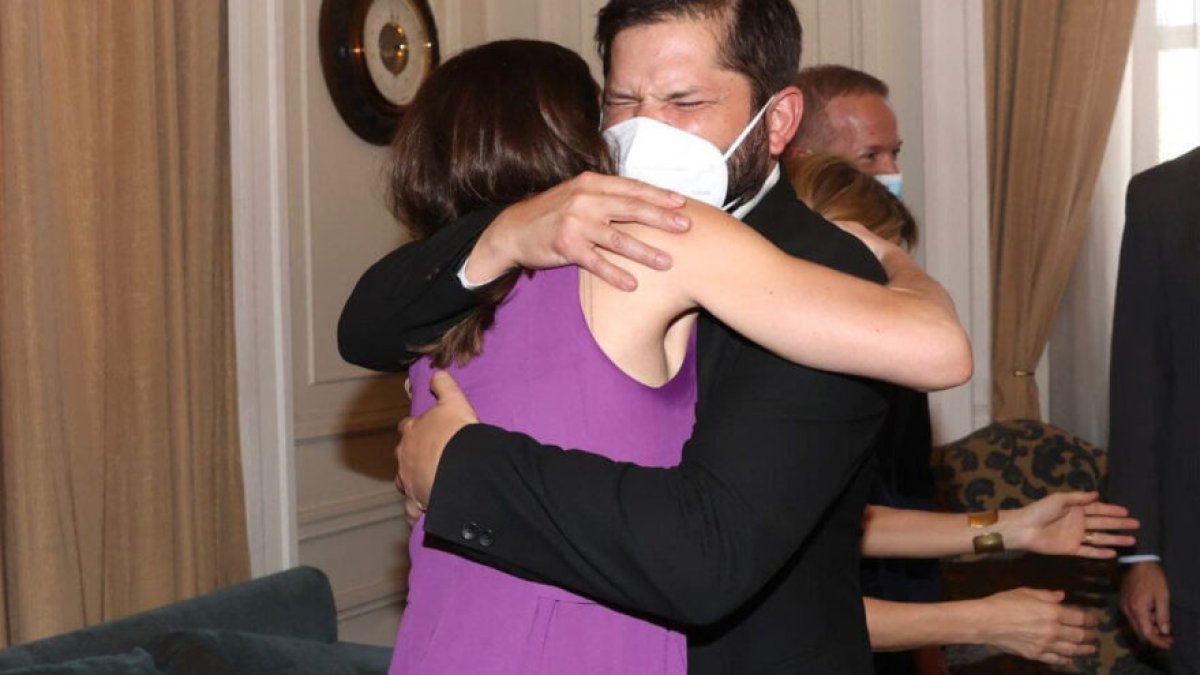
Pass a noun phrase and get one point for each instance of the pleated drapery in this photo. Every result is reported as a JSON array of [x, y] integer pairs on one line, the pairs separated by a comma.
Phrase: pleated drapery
[[119, 455], [1054, 75]]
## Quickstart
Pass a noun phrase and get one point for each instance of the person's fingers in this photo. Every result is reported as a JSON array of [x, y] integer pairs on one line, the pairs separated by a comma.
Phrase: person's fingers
[[1071, 648], [629, 187], [1088, 551], [582, 249], [1159, 641], [1142, 619], [1106, 509], [611, 274], [1162, 615], [590, 202], [1079, 498], [399, 478], [1076, 618], [1043, 594], [1110, 523], [631, 247], [1072, 635], [621, 209], [445, 389], [1128, 607], [1053, 659], [1107, 539], [404, 425], [412, 511]]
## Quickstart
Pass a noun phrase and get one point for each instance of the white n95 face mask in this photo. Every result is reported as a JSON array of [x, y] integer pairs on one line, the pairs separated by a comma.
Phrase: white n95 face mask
[[663, 156]]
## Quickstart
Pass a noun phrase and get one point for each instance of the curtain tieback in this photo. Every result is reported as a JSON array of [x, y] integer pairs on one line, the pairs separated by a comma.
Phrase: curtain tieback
[[1023, 373]]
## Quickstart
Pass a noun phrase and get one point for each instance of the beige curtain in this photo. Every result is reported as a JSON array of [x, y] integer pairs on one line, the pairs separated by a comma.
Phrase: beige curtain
[[118, 440], [1054, 74]]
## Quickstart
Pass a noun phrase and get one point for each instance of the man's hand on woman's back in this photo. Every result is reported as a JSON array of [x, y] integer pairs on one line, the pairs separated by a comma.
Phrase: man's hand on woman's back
[[423, 439]]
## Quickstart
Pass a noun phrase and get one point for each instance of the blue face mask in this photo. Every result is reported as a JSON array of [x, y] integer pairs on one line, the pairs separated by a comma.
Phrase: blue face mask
[[894, 182]]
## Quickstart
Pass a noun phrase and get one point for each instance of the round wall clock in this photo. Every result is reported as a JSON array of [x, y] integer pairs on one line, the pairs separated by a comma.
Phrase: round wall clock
[[375, 54]]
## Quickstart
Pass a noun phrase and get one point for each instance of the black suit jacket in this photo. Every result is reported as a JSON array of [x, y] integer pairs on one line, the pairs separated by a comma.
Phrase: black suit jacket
[[409, 298], [1154, 465], [750, 544]]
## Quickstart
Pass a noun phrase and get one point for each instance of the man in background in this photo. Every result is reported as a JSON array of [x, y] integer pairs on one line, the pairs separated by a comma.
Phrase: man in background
[[1154, 461], [846, 113]]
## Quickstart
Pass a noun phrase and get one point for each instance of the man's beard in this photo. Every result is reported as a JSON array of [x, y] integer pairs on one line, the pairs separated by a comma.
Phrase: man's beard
[[749, 166]]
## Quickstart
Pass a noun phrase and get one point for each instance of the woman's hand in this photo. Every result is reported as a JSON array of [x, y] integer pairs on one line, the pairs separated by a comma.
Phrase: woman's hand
[[1069, 523], [879, 246], [1034, 624]]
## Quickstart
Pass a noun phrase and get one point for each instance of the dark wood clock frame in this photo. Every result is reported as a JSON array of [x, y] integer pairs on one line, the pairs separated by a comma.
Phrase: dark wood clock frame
[[341, 45]]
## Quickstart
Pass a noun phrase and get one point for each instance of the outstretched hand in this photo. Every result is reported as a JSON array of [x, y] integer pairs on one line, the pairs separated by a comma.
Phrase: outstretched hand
[[424, 438], [571, 223], [1072, 523], [1036, 625]]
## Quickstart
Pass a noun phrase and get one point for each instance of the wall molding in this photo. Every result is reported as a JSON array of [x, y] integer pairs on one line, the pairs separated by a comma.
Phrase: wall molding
[[345, 515], [362, 600], [335, 423]]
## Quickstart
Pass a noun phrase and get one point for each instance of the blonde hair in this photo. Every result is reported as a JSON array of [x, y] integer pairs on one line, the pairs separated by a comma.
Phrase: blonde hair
[[837, 190]]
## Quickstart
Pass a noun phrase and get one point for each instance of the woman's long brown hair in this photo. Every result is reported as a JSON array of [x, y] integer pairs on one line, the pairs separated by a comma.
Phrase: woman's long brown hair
[[491, 126]]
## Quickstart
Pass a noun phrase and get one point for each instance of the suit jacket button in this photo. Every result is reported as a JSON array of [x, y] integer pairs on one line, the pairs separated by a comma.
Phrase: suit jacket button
[[470, 531], [485, 539]]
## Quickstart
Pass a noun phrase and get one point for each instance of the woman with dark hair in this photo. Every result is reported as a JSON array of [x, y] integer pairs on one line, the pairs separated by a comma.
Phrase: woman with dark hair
[[574, 362]]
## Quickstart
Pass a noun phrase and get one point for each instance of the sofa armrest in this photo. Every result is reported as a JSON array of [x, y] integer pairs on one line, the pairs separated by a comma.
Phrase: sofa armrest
[[294, 603]]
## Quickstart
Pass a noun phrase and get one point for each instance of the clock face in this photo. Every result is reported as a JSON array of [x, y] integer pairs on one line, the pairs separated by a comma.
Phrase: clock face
[[375, 54], [397, 49]]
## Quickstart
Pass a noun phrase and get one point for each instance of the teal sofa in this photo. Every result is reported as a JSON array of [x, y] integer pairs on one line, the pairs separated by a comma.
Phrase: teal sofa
[[282, 623]]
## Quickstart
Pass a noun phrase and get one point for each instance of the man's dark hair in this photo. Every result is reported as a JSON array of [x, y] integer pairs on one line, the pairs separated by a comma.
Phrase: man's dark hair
[[820, 85], [761, 37], [476, 137]]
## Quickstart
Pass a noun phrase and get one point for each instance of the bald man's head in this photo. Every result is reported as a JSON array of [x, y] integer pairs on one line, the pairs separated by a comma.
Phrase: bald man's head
[[846, 113]]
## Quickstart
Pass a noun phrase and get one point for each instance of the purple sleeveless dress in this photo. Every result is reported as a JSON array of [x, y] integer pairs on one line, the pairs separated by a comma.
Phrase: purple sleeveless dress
[[542, 373]]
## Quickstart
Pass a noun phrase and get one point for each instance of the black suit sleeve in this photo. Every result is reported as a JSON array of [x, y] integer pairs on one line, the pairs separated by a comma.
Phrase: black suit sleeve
[[1140, 379], [688, 544], [410, 297]]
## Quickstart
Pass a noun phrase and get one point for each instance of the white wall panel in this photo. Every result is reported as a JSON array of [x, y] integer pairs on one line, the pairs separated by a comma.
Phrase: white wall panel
[[957, 215]]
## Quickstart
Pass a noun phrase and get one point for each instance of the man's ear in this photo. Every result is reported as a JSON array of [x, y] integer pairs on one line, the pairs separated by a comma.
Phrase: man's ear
[[783, 119]]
